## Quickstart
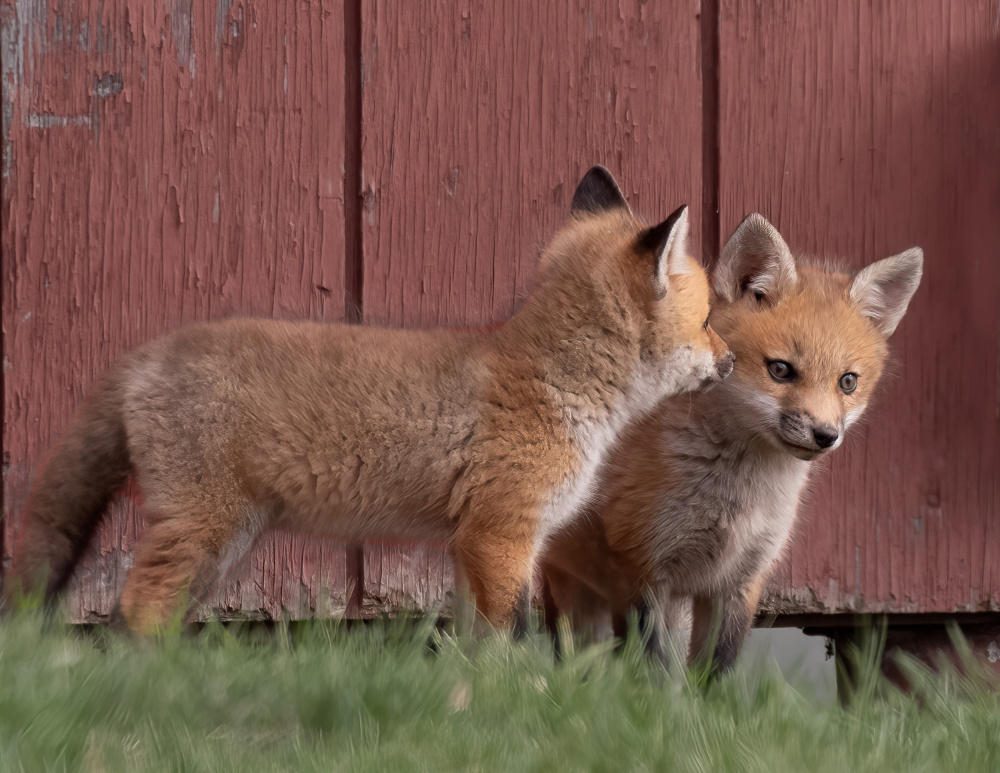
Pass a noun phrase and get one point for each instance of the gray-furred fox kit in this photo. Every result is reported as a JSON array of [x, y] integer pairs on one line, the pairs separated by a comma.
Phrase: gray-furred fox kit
[[487, 439], [698, 500]]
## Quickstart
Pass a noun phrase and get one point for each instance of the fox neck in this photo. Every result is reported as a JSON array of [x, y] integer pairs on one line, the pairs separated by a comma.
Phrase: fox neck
[[584, 365], [720, 411], [727, 479], [587, 358]]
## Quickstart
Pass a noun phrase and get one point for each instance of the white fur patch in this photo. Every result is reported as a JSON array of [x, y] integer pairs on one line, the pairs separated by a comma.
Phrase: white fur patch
[[852, 416], [685, 370]]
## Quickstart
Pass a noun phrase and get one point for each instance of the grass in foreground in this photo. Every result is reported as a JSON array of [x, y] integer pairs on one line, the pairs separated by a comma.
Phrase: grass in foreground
[[324, 697]]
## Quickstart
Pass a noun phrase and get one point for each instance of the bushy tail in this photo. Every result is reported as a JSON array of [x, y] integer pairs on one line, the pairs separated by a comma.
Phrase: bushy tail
[[80, 474]]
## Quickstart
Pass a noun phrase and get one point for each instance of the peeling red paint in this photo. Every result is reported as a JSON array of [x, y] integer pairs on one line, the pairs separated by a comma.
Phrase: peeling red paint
[[479, 119], [172, 161], [858, 142], [161, 173]]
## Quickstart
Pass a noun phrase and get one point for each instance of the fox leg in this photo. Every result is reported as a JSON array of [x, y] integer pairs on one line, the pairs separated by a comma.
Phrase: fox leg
[[166, 563], [563, 595], [497, 564], [551, 613], [179, 560], [720, 624], [649, 622]]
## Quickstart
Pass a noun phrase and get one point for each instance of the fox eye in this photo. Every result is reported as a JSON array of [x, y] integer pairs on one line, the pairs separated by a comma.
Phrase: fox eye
[[848, 382], [780, 370]]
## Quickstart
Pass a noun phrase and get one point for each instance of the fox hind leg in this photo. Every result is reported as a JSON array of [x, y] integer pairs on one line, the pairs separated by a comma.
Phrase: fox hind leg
[[179, 561], [164, 565], [649, 625]]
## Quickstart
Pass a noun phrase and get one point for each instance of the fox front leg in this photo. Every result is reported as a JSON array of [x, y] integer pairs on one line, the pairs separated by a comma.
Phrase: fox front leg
[[496, 561], [720, 624], [650, 624]]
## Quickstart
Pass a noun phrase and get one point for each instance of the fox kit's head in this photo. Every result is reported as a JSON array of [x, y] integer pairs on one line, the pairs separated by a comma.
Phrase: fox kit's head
[[650, 289], [810, 344]]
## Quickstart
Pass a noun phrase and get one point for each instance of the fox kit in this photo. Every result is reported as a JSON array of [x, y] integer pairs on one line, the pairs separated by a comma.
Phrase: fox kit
[[487, 439], [699, 500]]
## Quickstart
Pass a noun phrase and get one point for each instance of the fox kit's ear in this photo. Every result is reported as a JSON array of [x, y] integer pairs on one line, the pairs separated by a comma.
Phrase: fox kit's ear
[[755, 260], [882, 291], [597, 192], [668, 243]]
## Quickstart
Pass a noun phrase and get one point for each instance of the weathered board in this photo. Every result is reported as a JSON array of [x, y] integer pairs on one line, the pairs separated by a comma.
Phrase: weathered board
[[861, 129], [164, 163], [479, 120], [404, 163]]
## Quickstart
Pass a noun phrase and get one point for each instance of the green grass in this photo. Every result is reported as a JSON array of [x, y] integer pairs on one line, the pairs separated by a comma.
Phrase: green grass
[[324, 697]]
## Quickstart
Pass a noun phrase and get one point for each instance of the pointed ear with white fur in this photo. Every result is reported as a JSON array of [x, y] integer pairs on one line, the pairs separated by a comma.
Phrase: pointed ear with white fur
[[668, 243], [755, 260], [883, 290]]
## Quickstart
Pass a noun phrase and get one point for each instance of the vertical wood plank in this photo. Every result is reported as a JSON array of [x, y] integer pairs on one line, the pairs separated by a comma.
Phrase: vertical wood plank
[[479, 119], [873, 136], [163, 162], [181, 160], [401, 579]]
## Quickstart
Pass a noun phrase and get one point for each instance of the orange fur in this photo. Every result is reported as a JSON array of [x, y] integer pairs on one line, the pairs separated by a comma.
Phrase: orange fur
[[699, 500], [486, 439]]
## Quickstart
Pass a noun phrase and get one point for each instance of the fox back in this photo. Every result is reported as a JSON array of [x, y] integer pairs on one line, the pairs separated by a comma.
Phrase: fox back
[[700, 499], [485, 439]]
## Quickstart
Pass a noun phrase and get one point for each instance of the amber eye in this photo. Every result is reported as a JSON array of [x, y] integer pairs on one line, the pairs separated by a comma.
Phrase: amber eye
[[849, 382], [780, 370]]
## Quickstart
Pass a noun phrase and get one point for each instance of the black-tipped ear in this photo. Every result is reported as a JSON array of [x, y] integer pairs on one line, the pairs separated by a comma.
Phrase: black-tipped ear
[[597, 192], [883, 290], [668, 243], [755, 259]]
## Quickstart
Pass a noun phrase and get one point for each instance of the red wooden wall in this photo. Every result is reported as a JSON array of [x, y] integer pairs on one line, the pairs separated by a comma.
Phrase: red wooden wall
[[164, 163], [403, 163], [861, 129]]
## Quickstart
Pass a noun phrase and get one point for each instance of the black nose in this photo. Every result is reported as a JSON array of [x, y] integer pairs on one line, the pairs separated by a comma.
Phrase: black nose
[[825, 435], [725, 366]]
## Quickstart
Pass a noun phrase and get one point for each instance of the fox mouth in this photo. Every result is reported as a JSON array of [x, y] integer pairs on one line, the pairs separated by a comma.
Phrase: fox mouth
[[801, 452]]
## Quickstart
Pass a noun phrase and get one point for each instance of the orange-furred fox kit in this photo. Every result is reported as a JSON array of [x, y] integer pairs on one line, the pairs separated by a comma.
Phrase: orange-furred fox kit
[[487, 439], [698, 501]]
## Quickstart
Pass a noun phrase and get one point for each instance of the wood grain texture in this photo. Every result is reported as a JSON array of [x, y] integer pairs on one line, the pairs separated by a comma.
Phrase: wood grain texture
[[163, 162], [172, 161], [860, 130], [479, 119], [401, 579]]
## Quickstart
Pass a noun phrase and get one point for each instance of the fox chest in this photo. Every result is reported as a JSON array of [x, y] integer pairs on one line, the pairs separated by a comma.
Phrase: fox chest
[[574, 487], [723, 530]]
